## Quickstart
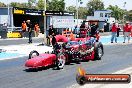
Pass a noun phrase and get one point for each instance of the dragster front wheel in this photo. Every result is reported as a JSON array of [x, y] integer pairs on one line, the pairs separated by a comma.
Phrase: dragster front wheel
[[99, 51], [61, 60]]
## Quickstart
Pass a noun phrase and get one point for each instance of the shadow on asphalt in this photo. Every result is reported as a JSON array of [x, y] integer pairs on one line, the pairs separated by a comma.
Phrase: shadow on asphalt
[[69, 64], [54, 67], [46, 68], [85, 60], [43, 45], [37, 69]]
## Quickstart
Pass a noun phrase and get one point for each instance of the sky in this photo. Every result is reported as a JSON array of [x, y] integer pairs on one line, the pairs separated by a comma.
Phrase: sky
[[119, 3]]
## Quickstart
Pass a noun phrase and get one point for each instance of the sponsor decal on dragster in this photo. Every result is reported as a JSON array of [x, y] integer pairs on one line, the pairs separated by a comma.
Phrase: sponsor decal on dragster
[[82, 78]]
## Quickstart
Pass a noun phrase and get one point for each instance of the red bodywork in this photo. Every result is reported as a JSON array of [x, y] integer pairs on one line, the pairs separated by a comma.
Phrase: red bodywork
[[42, 60], [81, 39], [84, 48], [88, 56], [61, 38]]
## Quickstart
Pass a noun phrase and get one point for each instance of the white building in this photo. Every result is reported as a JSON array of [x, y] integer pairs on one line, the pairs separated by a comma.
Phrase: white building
[[103, 17]]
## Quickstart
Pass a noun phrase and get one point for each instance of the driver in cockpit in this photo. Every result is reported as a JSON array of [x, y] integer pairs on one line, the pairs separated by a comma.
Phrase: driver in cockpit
[[93, 29]]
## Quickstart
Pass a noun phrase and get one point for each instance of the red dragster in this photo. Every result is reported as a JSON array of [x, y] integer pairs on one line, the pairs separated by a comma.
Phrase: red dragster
[[77, 50]]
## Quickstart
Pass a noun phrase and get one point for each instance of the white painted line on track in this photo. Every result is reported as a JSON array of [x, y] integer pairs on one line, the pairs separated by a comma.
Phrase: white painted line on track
[[24, 49], [12, 57]]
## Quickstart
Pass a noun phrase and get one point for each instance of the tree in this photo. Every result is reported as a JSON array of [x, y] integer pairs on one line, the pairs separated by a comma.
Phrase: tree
[[93, 5], [56, 5], [40, 4], [117, 13], [32, 3], [129, 16], [71, 9], [24, 5], [2, 4], [82, 12], [15, 4]]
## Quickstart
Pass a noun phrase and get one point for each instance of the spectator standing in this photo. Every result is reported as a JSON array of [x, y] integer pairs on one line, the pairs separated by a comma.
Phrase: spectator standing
[[127, 31], [51, 31], [131, 30], [24, 28], [118, 30], [29, 25], [114, 33], [93, 29], [5, 27], [36, 30], [53, 40]]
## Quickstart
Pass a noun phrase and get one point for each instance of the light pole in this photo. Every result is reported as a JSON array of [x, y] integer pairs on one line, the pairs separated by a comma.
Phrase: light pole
[[77, 5], [45, 23], [8, 14], [10, 17], [124, 13], [77, 11], [45, 5]]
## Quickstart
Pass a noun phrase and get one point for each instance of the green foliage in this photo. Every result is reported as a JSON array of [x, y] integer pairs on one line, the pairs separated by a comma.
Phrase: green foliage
[[16, 4], [23, 5], [82, 12], [129, 16], [116, 12], [2, 4], [31, 3], [40, 4], [93, 5], [56, 5], [71, 9], [59, 5]]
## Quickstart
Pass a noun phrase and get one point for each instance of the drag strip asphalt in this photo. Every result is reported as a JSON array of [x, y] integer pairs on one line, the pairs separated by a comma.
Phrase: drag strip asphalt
[[5, 42], [13, 74]]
